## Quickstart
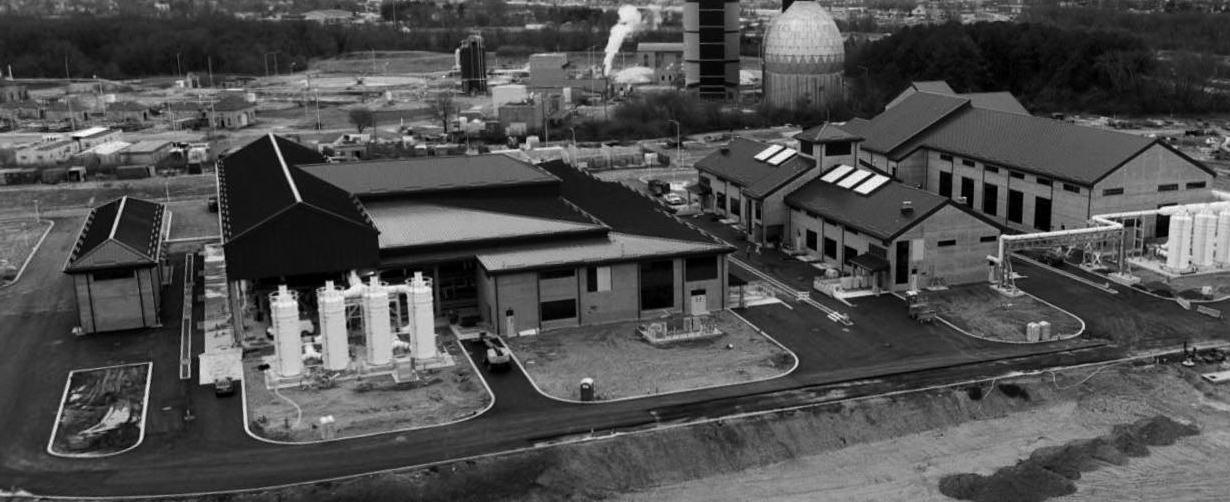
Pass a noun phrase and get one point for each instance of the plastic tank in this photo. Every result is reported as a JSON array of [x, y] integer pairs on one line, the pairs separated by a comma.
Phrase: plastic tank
[[1044, 330], [422, 318], [336, 348], [1204, 226], [1185, 241], [1172, 245], [1032, 332], [1223, 238], [376, 320], [284, 305]]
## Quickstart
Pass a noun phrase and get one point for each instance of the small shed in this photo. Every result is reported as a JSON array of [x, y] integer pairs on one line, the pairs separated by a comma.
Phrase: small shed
[[115, 265]]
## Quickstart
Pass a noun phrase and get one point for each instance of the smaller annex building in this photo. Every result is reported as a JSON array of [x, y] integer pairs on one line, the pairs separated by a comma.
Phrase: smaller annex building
[[897, 237], [115, 265]]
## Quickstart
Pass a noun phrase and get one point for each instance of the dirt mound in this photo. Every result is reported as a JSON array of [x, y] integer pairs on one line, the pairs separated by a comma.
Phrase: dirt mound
[[1050, 471]]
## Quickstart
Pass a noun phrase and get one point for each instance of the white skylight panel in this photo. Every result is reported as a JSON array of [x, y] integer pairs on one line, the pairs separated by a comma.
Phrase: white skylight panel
[[854, 178], [782, 156], [836, 173], [871, 185], [768, 152]]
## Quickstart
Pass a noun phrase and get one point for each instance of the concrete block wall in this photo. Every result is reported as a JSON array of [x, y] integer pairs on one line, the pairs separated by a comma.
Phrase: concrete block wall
[[562, 288], [962, 263], [519, 292], [118, 304], [1139, 179], [618, 304]]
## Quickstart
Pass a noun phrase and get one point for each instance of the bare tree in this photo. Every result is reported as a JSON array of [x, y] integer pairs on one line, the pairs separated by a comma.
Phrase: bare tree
[[362, 117], [442, 107]]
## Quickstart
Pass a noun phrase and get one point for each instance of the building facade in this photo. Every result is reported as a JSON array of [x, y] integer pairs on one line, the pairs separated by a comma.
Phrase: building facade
[[472, 63], [711, 47], [665, 59]]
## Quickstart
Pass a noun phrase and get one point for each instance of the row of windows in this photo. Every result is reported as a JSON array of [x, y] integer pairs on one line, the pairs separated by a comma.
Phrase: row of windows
[[1168, 187]]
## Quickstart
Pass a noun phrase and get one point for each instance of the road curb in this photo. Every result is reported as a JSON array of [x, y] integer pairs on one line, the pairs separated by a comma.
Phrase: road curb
[[30, 257]]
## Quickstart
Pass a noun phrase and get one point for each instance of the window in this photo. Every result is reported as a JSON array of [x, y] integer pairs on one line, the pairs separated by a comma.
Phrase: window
[[701, 268], [967, 162], [830, 248], [1016, 206], [1161, 227], [849, 254], [721, 200], [597, 279], [1044, 181], [111, 275], [559, 273], [851, 230], [1196, 184], [967, 191], [1169, 187], [990, 199], [734, 206], [988, 238], [811, 240], [947, 243], [756, 207], [1018, 176], [944, 156], [946, 185], [1112, 191], [1042, 213], [657, 284], [839, 148], [990, 168], [1068, 187], [901, 272], [556, 310]]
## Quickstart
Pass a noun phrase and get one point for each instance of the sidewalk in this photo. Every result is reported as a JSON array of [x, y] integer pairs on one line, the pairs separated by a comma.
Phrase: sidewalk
[[781, 266]]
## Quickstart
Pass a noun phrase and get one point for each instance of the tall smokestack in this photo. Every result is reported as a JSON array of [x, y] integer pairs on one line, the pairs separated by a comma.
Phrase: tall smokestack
[[629, 23]]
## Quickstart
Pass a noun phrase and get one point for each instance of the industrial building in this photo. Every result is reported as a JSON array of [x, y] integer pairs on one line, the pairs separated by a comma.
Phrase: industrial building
[[1023, 172], [472, 63], [665, 59], [711, 48], [116, 265], [803, 59], [505, 244]]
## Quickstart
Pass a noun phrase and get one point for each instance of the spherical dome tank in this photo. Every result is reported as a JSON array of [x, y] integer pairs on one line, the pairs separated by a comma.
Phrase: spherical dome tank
[[804, 57], [803, 39]]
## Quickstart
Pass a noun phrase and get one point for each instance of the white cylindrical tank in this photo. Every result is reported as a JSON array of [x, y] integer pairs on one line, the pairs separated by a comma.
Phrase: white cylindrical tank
[[1172, 245], [1044, 330], [422, 318], [376, 321], [1204, 239], [1185, 241], [332, 306], [1032, 332], [1223, 237], [284, 306]]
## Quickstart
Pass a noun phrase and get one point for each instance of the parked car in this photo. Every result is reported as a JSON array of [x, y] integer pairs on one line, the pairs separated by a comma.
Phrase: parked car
[[672, 199], [657, 188], [212, 203], [224, 387]]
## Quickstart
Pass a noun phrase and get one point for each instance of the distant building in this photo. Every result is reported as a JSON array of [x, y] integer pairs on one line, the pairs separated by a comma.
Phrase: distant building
[[116, 266], [233, 112], [472, 61], [711, 47], [804, 56], [12, 92], [665, 59], [48, 152], [552, 73], [65, 112], [128, 111], [328, 16], [344, 145], [86, 139], [148, 152]]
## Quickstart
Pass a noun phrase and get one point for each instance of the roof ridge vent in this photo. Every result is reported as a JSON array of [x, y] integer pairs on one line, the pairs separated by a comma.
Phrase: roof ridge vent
[[907, 207]]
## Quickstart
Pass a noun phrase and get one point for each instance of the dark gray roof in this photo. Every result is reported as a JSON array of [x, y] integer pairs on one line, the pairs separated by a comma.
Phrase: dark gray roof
[[877, 214], [936, 86], [1038, 145], [909, 118], [429, 174], [736, 163], [827, 132], [134, 224], [232, 103], [997, 101]]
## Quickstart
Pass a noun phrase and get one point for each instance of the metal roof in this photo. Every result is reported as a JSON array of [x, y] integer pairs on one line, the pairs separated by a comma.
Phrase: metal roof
[[1044, 146], [827, 132], [997, 101], [737, 163], [148, 146], [232, 103], [659, 47], [903, 122], [429, 174], [409, 224], [132, 227], [615, 247], [936, 86], [878, 213]]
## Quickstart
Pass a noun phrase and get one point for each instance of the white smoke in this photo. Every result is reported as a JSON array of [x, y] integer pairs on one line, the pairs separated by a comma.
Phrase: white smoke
[[629, 23]]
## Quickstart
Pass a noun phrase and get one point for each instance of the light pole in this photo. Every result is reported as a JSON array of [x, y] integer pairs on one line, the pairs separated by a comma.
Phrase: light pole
[[179, 67], [678, 143], [574, 144]]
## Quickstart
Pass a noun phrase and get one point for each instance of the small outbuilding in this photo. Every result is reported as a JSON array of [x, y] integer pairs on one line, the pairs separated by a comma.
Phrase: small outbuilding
[[115, 265]]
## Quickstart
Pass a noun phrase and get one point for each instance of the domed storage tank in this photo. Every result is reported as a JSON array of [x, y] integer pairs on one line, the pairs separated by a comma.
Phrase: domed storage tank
[[804, 57]]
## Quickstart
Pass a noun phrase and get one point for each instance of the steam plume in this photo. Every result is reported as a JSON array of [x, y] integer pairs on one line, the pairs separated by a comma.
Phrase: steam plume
[[629, 23]]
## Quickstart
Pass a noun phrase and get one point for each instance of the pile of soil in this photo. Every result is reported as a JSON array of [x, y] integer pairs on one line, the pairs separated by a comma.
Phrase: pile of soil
[[1050, 472]]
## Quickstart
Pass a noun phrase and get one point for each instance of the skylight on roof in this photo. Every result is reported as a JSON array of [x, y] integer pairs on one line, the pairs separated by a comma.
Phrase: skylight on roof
[[782, 156], [871, 185], [854, 178], [836, 173], [768, 152]]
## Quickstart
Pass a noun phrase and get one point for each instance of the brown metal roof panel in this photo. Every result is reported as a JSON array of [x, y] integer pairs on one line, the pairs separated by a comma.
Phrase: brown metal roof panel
[[908, 119], [878, 213]]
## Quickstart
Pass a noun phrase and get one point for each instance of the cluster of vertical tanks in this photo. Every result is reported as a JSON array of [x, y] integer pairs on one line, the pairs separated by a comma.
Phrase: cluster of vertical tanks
[[1199, 240], [373, 298]]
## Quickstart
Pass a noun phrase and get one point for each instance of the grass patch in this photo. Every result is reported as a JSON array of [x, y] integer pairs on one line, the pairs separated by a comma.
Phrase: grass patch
[[624, 365], [192, 219], [17, 240], [103, 411], [981, 311], [21, 198]]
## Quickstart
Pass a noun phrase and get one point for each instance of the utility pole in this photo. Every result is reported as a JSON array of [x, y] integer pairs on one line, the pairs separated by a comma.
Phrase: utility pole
[[68, 99], [179, 67], [678, 144], [209, 60]]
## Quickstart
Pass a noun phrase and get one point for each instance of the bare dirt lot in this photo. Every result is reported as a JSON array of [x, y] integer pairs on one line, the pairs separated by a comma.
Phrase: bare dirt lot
[[19, 199], [624, 365], [984, 313], [366, 406], [192, 219], [103, 411]]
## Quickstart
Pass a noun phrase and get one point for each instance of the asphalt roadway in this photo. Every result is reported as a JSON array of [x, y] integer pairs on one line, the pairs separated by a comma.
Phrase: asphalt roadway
[[882, 352]]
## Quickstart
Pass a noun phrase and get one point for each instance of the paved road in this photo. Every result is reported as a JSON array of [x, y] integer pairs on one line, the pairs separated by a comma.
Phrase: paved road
[[212, 452]]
